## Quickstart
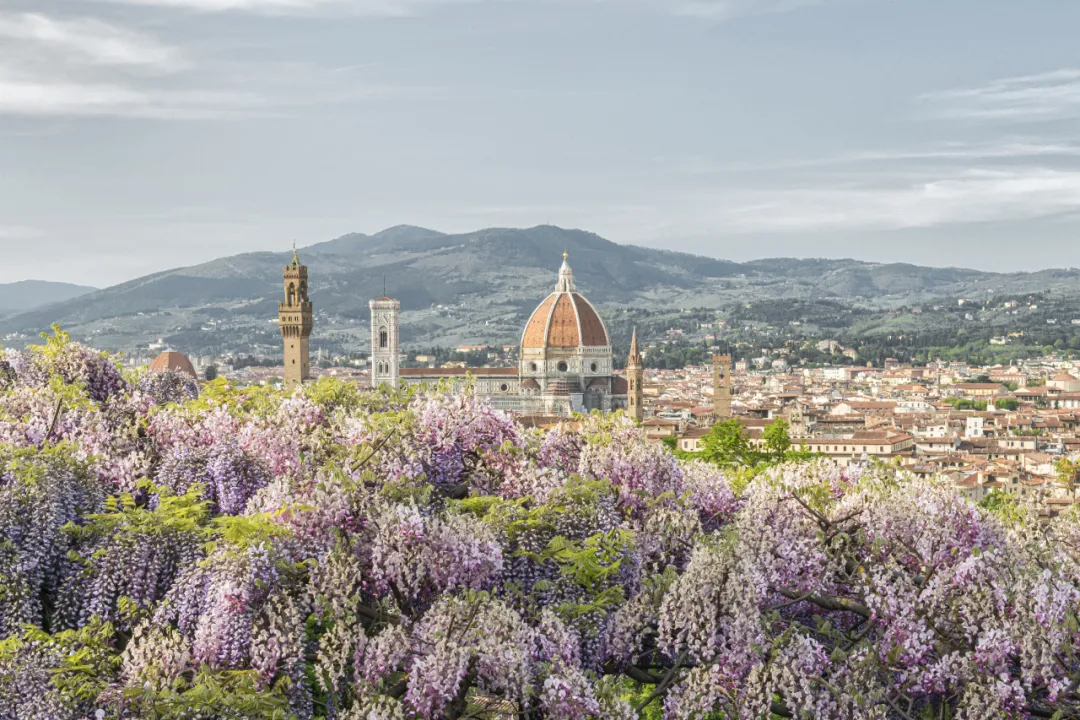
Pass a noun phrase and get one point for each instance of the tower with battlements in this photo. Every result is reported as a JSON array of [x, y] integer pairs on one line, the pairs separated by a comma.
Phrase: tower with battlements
[[294, 319]]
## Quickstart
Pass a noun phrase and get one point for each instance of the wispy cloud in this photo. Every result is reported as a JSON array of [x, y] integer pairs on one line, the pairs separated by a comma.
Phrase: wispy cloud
[[1044, 96], [37, 97], [82, 66], [18, 232], [706, 9], [973, 196], [86, 40], [376, 8], [1012, 179], [57, 66], [727, 9]]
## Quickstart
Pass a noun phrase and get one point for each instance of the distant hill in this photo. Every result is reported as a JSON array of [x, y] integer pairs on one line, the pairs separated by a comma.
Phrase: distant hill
[[29, 294], [477, 286]]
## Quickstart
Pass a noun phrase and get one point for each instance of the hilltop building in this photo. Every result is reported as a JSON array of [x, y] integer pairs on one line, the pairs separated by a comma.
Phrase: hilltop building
[[294, 319], [565, 361]]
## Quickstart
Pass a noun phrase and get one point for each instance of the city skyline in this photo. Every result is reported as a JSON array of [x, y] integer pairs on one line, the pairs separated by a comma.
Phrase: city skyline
[[143, 135]]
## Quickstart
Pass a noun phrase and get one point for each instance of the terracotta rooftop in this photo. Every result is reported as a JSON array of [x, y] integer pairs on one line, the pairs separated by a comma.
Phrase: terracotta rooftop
[[564, 320], [177, 362]]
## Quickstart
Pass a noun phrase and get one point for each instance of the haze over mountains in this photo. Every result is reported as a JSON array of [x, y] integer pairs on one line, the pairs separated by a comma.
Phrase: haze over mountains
[[486, 282], [29, 294]]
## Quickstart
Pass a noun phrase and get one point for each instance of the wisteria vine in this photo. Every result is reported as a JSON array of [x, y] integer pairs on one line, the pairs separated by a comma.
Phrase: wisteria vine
[[339, 553]]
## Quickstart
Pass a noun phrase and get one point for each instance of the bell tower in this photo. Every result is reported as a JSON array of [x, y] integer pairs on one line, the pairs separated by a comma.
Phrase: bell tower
[[635, 374], [384, 341], [294, 319], [721, 398]]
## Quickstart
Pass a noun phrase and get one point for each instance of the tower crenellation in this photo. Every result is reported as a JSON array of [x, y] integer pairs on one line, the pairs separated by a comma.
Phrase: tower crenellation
[[295, 322]]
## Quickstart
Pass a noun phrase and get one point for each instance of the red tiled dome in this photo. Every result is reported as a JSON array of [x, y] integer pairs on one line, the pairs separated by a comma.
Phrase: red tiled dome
[[564, 320], [177, 362]]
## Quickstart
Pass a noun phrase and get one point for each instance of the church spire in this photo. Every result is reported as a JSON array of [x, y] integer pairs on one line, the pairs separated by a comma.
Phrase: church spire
[[635, 379], [295, 259], [635, 354], [566, 276]]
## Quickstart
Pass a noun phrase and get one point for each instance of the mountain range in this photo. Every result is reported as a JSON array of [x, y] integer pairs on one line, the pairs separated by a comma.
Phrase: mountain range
[[30, 294], [473, 287]]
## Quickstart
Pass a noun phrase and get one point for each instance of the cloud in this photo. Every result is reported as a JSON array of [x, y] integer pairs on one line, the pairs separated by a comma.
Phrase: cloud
[[29, 97], [972, 196], [18, 232], [57, 66], [88, 40], [944, 184], [1045, 96], [727, 9], [705, 9], [376, 8]]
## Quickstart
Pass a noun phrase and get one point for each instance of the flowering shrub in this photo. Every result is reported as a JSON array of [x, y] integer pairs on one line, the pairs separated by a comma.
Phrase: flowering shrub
[[337, 553]]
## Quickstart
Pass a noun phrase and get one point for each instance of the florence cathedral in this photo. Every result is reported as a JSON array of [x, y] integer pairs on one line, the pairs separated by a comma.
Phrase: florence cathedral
[[565, 361], [565, 358]]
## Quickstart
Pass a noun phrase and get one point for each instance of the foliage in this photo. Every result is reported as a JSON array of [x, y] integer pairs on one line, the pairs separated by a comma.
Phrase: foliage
[[1010, 404], [1068, 472], [966, 404], [343, 554], [728, 446]]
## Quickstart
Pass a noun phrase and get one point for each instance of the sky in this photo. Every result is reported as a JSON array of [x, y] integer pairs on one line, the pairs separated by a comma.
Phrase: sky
[[142, 135]]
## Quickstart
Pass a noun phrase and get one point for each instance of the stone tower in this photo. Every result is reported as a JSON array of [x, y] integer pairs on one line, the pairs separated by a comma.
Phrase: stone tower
[[384, 341], [721, 398], [797, 421], [294, 319], [635, 375]]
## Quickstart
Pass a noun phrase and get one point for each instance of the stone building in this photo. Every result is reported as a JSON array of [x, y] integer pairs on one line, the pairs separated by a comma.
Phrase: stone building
[[721, 399], [385, 357], [635, 378], [565, 364], [294, 319]]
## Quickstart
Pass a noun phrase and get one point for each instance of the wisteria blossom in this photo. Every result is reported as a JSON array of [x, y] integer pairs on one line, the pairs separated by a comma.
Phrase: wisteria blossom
[[176, 552]]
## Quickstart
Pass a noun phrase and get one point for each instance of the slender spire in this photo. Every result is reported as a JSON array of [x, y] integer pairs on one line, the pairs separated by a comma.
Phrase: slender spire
[[635, 354], [566, 276], [295, 259]]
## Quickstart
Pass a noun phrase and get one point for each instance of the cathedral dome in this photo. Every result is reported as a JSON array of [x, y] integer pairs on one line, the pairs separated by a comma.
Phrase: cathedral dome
[[565, 319], [177, 362]]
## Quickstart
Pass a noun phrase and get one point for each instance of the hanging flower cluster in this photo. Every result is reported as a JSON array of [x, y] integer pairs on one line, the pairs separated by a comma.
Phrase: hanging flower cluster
[[343, 554]]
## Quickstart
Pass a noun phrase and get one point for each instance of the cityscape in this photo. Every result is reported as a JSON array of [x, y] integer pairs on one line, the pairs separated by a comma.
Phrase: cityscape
[[983, 428], [539, 360]]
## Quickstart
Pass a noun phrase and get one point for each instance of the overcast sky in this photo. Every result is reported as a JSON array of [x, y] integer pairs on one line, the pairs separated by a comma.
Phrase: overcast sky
[[139, 135]]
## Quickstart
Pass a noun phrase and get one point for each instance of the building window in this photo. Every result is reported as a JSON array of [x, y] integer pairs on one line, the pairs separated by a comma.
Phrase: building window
[[504, 387], [562, 367], [532, 366], [593, 367], [383, 338]]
